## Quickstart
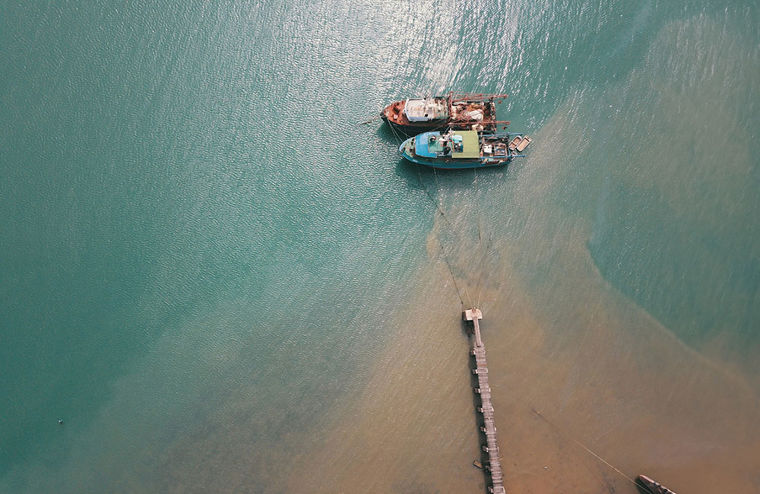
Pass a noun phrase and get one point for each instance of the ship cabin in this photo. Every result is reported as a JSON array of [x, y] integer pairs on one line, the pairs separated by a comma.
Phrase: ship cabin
[[426, 109], [417, 114]]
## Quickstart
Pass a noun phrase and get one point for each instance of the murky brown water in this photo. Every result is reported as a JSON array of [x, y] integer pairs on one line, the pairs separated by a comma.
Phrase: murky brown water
[[604, 375]]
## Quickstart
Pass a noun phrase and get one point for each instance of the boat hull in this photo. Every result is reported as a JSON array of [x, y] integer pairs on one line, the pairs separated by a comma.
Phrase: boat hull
[[649, 486]]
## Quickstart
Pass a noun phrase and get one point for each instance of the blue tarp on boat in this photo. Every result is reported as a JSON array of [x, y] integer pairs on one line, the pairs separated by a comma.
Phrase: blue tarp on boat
[[423, 146]]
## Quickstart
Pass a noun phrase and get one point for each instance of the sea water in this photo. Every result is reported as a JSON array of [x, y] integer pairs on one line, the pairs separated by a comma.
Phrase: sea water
[[220, 280]]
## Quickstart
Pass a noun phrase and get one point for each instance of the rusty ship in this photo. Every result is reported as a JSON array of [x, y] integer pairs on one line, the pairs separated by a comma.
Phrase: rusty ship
[[456, 111]]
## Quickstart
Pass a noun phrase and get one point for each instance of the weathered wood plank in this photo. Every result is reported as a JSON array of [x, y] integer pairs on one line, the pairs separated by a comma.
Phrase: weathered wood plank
[[486, 409]]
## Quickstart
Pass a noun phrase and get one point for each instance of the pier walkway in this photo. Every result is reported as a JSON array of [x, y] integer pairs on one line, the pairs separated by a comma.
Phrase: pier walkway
[[485, 409]]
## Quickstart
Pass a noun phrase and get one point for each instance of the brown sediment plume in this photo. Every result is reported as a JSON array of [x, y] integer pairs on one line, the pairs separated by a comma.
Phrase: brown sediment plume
[[598, 367], [398, 435], [610, 376], [561, 340]]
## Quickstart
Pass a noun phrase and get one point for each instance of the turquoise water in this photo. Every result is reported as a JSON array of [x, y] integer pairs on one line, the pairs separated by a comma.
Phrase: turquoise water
[[204, 250]]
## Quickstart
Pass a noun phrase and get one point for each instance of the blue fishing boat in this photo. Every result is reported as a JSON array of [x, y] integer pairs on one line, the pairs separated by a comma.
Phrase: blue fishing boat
[[458, 149]]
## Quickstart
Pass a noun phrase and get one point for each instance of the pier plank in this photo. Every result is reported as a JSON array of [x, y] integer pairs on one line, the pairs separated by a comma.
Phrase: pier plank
[[486, 410]]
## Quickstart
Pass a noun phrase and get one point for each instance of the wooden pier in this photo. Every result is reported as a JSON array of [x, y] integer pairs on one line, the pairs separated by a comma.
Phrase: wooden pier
[[485, 409]]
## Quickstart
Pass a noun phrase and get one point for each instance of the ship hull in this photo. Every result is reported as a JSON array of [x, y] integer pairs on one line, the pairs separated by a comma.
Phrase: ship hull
[[649, 486]]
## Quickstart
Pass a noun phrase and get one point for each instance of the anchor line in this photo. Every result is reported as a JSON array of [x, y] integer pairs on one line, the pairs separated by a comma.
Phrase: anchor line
[[440, 244], [484, 254], [427, 192], [584, 447], [480, 243], [484, 250], [451, 271], [376, 117], [399, 140], [440, 211], [438, 187]]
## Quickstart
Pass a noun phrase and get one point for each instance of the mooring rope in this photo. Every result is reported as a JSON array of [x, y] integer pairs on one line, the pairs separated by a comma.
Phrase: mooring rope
[[376, 117], [480, 242], [585, 448], [430, 196], [399, 140], [440, 211], [451, 271], [483, 258], [438, 238]]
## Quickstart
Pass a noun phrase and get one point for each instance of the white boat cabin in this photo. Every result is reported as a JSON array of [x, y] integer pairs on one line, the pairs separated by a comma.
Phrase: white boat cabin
[[426, 109]]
